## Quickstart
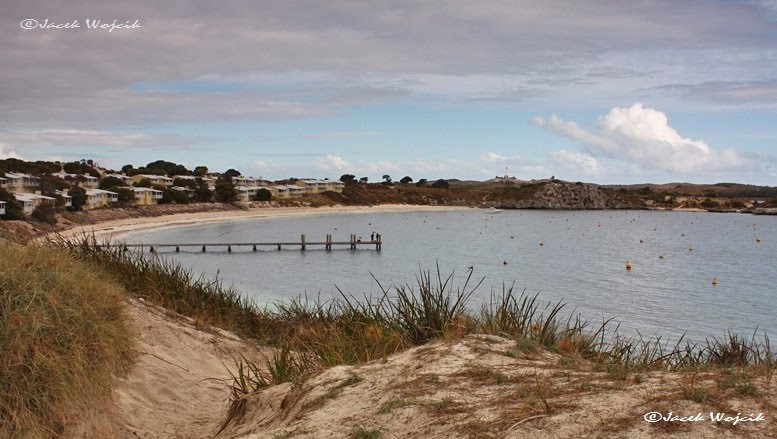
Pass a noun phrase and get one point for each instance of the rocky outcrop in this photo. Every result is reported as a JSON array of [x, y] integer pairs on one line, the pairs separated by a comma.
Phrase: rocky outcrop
[[556, 194]]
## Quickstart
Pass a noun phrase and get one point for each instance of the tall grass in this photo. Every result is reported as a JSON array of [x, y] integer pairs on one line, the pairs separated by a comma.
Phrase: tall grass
[[63, 338]]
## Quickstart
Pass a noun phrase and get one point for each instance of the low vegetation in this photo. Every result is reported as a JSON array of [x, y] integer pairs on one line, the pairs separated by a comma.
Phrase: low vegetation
[[63, 339]]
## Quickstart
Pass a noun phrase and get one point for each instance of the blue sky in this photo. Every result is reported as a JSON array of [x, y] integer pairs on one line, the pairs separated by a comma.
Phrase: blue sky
[[604, 91]]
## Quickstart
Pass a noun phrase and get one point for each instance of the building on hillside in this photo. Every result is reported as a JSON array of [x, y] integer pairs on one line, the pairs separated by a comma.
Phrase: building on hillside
[[126, 179], [22, 183], [31, 201], [317, 186], [99, 198], [86, 181], [145, 196], [160, 180], [248, 193], [3, 183], [250, 181], [2, 207]]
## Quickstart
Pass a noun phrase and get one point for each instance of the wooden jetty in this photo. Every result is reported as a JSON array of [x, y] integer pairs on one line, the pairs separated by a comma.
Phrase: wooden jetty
[[352, 244]]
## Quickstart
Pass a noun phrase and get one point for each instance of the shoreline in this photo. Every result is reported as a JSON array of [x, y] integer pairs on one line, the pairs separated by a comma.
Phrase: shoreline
[[115, 229]]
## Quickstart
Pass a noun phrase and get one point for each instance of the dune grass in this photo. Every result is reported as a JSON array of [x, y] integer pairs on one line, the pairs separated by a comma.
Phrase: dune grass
[[63, 339]]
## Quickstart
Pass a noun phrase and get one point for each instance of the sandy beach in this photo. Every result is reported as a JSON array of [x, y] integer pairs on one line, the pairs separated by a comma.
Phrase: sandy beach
[[116, 229]]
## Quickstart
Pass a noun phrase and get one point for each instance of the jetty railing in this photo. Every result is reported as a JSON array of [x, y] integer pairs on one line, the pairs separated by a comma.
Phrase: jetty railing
[[352, 244]]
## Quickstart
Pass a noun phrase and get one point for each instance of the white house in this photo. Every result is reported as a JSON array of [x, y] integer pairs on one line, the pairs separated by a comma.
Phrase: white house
[[145, 196], [249, 181], [99, 198], [211, 182], [31, 201], [160, 180], [3, 183], [2, 207], [84, 180], [22, 183]]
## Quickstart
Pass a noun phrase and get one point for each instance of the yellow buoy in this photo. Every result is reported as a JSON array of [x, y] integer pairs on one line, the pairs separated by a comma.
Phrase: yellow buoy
[[628, 265], [660, 256], [714, 281], [690, 249], [542, 243], [504, 262], [757, 239]]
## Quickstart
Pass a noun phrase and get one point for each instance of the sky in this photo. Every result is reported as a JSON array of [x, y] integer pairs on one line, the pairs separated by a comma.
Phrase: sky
[[598, 91]]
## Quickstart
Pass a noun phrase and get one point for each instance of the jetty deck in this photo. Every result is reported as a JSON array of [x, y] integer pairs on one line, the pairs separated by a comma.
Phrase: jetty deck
[[328, 244]]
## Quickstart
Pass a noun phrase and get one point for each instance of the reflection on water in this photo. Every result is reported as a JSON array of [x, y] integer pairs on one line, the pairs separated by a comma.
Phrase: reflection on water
[[575, 256]]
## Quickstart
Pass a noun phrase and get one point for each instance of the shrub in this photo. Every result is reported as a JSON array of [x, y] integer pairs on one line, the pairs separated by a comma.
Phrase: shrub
[[45, 213]]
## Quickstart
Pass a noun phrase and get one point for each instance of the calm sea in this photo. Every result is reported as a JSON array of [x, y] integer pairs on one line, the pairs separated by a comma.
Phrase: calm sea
[[578, 257]]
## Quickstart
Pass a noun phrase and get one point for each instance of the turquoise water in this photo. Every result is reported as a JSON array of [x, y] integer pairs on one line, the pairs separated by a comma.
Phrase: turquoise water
[[581, 261]]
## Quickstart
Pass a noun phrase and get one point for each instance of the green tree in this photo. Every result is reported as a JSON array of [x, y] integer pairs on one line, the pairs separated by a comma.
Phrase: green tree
[[231, 173], [263, 195], [79, 197], [144, 182], [126, 195], [363, 180], [421, 182], [202, 193], [14, 209], [225, 191], [406, 180], [49, 185], [44, 213], [386, 179], [348, 178], [109, 182], [201, 171], [440, 184]]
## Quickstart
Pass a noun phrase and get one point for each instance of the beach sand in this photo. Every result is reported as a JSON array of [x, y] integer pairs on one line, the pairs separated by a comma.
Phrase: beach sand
[[116, 229]]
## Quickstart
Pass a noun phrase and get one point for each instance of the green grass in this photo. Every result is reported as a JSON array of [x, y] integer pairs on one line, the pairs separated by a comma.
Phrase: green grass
[[63, 340]]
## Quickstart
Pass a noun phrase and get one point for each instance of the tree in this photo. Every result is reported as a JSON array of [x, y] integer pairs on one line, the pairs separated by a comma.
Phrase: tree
[[440, 184], [126, 195], [187, 183], [14, 210], [178, 197], [144, 182], [79, 197], [421, 182], [202, 193], [225, 191], [348, 178], [231, 173], [201, 171], [44, 213], [386, 179], [49, 185], [363, 180], [406, 180], [109, 182], [263, 195], [162, 167]]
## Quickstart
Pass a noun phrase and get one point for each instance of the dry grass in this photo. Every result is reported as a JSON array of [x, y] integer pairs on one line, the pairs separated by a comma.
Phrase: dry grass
[[63, 337]]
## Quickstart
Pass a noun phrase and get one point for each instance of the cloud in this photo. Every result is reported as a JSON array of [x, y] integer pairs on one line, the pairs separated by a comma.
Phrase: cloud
[[492, 157], [643, 137], [332, 163], [577, 161], [7, 153]]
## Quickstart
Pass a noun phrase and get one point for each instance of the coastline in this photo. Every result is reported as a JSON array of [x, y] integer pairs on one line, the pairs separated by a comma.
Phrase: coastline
[[114, 229]]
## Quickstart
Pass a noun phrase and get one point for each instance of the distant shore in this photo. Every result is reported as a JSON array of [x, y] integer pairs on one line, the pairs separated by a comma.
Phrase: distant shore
[[116, 229]]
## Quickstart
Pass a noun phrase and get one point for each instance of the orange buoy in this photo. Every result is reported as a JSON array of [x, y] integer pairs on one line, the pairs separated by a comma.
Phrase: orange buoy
[[714, 281], [628, 265]]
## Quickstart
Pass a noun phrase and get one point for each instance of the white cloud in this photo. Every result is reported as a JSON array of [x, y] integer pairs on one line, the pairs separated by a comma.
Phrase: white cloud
[[492, 157], [642, 136], [577, 161], [332, 163], [7, 153]]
